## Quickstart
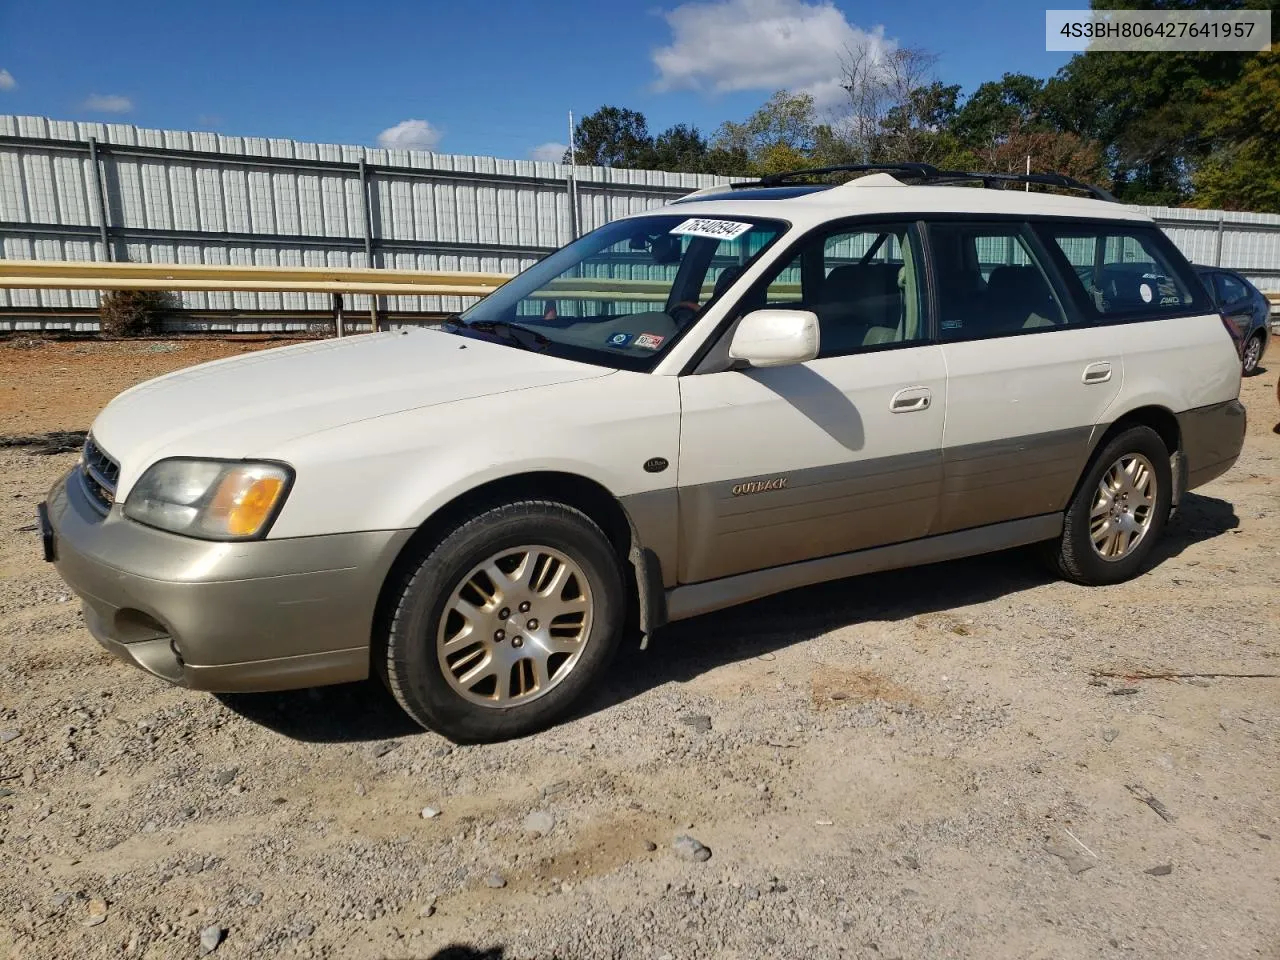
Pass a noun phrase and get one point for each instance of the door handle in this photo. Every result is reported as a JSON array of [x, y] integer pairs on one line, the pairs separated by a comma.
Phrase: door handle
[[1097, 373], [911, 399]]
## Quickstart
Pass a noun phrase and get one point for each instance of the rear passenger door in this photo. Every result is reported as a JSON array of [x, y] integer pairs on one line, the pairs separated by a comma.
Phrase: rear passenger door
[[1027, 376]]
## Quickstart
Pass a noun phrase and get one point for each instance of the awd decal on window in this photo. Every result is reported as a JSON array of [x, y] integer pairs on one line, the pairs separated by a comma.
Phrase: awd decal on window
[[715, 229], [759, 486]]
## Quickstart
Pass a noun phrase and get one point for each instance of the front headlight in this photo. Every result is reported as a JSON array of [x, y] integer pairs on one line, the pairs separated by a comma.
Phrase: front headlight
[[210, 499]]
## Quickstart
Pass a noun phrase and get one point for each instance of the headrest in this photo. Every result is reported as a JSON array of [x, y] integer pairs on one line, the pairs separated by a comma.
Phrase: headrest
[[855, 281]]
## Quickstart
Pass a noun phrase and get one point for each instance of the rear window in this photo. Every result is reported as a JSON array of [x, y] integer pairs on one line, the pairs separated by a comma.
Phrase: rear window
[[1127, 272], [1231, 290]]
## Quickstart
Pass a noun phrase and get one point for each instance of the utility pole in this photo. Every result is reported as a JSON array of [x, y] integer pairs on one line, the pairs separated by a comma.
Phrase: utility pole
[[573, 183]]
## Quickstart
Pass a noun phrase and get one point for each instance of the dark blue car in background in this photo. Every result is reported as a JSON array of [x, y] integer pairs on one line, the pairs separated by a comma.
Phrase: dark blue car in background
[[1247, 309]]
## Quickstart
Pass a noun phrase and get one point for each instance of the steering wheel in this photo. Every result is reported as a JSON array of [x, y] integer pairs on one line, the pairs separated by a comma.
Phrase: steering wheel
[[683, 312]]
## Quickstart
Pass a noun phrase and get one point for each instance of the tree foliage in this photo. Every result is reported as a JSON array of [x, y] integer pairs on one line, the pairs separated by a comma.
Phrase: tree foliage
[[612, 137], [1155, 127], [1242, 171], [778, 136]]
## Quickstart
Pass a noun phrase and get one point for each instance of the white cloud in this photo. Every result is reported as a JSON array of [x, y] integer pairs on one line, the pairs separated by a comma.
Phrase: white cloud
[[6, 81], [551, 152], [107, 103], [410, 135], [729, 45]]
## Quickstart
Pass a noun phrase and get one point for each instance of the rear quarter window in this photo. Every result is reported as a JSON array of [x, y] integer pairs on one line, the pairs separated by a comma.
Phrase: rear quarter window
[[1120, 272]]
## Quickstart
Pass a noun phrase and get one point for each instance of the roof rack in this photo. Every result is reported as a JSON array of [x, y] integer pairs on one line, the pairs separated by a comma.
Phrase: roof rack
[[1043, 179], [777, 179], [927, 173]]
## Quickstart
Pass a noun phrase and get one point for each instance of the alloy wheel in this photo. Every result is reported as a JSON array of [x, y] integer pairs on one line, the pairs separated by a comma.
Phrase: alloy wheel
[[1123, 507], [1252, 354], [515, 626]]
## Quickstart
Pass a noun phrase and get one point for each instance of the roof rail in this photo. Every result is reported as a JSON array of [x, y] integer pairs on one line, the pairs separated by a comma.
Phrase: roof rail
[[775, 179], [1043, 179], [927, 173]]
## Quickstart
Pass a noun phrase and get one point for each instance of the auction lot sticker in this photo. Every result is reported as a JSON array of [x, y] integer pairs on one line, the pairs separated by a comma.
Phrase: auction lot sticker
[[715, 229]]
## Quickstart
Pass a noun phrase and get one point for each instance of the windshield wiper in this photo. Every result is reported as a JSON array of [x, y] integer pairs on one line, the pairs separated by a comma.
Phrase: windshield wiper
[[515, 334]]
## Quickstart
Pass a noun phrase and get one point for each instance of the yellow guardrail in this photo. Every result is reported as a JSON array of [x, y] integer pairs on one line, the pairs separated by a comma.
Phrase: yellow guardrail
[[84, 275], [95, 275]]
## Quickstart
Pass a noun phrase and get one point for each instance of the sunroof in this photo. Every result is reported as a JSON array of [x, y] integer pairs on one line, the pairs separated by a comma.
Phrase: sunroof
[[760, 193]]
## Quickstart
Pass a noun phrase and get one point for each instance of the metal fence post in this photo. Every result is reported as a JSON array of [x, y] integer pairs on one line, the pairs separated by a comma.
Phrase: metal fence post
[[366, 195], [1217, 253], [338, 324], [99, 188]]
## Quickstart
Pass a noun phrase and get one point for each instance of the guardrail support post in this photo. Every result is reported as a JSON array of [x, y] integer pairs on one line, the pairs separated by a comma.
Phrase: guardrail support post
[[99, 187], [366, 195], [338, 324]]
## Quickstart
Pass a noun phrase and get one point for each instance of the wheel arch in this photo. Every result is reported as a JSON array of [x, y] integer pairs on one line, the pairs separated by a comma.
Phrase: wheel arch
[[641, 570], [1160, 419]]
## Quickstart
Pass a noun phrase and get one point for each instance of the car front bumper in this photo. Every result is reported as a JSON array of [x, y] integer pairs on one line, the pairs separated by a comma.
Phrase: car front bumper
[[226, 617]]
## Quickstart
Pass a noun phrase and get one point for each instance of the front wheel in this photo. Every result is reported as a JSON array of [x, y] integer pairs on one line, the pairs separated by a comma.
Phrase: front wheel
[[1119, 511], [502, 625]]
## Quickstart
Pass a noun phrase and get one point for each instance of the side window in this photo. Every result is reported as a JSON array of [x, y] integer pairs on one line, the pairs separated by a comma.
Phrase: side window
[[991, 281], [785, 289], [864, 283], [1230, 289], [1126, 272]]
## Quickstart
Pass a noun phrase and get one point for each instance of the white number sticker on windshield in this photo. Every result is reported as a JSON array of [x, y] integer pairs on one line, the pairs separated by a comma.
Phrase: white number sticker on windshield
[[715, 229]]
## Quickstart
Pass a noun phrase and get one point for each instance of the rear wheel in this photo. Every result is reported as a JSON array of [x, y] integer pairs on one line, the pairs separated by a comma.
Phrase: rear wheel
[[502, 625], [1119, 511], [1252, 355]]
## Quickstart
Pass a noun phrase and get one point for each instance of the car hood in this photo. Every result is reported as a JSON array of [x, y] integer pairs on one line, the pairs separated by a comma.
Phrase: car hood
[[244, 406]]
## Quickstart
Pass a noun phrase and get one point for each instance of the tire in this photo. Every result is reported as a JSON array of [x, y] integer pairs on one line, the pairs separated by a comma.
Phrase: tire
[[1251, 355], [1075, 555], [514, 540]]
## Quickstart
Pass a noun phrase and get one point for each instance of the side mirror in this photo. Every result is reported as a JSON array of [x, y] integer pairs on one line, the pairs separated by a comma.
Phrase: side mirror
[[776, 338]]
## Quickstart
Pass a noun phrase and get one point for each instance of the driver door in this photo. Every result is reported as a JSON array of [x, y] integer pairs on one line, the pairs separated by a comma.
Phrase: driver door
[[842, 453]]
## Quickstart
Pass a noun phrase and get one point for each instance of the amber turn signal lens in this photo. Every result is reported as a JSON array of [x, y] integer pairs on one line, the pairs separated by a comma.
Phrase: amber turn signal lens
[[243, 502]]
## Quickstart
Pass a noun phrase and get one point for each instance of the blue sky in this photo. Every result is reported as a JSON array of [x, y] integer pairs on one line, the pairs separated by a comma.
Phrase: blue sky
[[493, 77]]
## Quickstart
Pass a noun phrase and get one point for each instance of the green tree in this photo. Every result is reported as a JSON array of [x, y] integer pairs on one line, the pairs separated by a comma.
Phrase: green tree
[[612, 137], [729, 162], [910, 129], [776, 137], [1148, 109], [681, 148], [1242, 171], [997, 107]]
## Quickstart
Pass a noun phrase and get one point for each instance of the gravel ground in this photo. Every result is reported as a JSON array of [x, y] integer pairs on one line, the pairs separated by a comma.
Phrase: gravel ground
[[922, 764]]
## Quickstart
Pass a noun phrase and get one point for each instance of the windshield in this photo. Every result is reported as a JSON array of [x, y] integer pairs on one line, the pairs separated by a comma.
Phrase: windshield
[[622, 294]]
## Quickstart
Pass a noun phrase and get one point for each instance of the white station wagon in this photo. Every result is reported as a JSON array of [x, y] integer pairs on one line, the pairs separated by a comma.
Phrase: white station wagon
[[748, 390]]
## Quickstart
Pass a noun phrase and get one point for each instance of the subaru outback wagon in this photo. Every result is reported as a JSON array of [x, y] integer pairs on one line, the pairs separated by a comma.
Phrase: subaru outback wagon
[[748, 390]]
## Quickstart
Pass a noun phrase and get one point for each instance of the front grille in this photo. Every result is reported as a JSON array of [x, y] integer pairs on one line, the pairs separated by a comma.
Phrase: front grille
[[99, 473]]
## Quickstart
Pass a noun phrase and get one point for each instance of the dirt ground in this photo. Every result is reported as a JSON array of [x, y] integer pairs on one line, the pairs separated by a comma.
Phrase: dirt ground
[[62, 384], [958, 761]]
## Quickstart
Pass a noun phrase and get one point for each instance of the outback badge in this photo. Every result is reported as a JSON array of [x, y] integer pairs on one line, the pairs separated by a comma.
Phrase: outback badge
[[759, 486]]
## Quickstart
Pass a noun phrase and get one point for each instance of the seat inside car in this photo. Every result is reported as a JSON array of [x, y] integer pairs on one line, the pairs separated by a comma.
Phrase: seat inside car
[[1019, 298], [859, 305]]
